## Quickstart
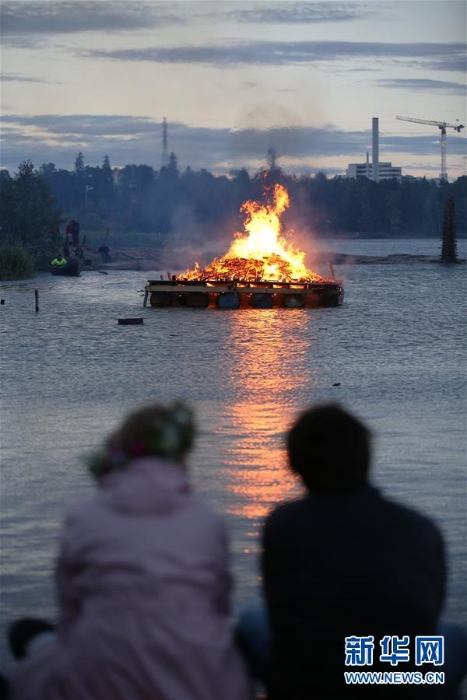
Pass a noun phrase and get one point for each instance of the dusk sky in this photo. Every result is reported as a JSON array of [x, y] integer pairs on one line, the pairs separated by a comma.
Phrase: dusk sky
[[233, 79]]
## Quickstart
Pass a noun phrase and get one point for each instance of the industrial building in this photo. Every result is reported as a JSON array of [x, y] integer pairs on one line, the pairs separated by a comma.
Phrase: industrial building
[[375, 170], [386, 171]]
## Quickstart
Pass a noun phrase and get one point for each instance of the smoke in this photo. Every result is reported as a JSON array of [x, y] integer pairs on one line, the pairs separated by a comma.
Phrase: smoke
[[270, 124], [301, 237], [321, 250], [192, 242]]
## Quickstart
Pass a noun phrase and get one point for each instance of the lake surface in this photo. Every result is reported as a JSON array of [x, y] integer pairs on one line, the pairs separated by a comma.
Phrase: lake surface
[[69, 374]]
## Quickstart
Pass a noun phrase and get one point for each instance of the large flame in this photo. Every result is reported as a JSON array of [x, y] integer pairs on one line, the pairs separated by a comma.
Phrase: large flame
[[261, 252]]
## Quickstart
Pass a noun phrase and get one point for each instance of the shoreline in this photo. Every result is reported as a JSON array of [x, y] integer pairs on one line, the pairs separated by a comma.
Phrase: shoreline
[[142, 264]]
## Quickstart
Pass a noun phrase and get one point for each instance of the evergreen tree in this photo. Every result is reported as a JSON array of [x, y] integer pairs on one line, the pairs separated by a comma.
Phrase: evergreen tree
[[172, 166], [47, 170], [103, 182], [29, 214], [4, 177], [146, 200], [79, 165]]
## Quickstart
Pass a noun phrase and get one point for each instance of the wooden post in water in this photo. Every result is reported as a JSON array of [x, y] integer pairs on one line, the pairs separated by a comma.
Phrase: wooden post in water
[[449, 243], [36, 295]]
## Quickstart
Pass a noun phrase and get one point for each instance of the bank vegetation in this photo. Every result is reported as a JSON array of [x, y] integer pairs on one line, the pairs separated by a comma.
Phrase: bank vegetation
[[167, 207]]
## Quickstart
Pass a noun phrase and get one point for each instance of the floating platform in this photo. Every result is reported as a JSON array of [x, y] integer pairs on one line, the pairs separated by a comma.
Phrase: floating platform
[[130, 321], [240, 295]]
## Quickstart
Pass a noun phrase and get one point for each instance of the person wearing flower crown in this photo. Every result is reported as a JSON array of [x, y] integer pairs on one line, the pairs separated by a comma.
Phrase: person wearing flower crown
[[142, 581]]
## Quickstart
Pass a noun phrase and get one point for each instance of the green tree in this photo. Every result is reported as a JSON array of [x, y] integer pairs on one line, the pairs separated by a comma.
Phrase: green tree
[[4, 177], [167, 195], [79, 165], [47, 170], [29, 214], [105, 183]]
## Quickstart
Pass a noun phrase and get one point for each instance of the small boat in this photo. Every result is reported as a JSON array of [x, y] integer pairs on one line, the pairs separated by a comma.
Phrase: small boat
[[71, 269]]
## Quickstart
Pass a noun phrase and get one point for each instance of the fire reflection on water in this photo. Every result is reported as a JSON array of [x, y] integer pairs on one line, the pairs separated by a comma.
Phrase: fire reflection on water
[[255, 462], [265, 365]]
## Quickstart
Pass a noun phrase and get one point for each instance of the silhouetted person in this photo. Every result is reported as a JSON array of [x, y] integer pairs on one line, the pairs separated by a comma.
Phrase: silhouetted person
[[344, 569]]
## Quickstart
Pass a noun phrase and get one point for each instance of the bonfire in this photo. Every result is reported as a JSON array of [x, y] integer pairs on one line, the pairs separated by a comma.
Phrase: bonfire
[[260, 253]]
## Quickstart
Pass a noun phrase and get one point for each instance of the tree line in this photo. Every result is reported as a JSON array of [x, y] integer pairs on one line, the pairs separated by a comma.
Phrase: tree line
[[199, 205]]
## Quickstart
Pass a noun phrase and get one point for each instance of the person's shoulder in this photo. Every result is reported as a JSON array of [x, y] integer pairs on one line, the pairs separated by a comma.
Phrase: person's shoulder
[[287, 511], [411, 518], [81, 524], [287, 520]]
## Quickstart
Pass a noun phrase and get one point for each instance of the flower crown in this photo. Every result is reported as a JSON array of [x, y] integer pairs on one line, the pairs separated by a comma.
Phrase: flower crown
[[159, 431]]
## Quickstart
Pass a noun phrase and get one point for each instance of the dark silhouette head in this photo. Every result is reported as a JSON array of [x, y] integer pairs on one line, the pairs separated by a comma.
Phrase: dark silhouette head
[[329, 449]]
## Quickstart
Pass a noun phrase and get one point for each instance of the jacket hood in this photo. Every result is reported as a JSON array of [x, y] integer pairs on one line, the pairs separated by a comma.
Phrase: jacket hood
[[146, 485]]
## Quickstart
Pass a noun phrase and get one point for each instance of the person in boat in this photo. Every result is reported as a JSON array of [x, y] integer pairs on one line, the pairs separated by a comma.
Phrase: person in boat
[[59, 261], [143, 583], [344, 566]]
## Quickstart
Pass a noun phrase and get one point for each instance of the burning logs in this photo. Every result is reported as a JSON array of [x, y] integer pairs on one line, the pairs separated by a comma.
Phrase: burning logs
[[261, 270], [271, 267]]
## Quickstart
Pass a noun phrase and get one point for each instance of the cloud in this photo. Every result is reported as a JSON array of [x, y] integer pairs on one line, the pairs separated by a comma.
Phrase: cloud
[[71, 16], [425, 85], [294, 13], [138, 140], [20, 17], [17, 77], [30, 17], [87, 125], [455, 64], [278, 53], [425, 144]]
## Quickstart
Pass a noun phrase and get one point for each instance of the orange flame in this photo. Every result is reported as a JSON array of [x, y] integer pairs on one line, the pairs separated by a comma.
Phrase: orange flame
[[261, 253]]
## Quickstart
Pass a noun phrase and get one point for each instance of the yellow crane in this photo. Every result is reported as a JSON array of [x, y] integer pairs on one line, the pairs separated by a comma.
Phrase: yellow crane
[[442, 126]]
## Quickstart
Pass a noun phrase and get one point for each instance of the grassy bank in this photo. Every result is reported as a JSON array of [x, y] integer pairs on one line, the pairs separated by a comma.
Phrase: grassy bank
[[15, 262]]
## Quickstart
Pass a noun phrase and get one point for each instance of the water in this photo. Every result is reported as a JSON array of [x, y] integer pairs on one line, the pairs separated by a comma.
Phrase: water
[[406, 246], [70, 373]]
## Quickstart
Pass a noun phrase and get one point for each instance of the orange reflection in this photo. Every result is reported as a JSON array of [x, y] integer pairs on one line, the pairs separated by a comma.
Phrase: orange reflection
[[267, 362]]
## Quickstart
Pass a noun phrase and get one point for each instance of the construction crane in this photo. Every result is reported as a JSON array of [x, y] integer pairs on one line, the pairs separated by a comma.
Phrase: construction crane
[[442, 126]]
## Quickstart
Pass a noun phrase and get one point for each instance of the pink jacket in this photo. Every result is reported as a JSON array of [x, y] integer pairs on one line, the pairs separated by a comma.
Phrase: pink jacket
[[143, 589]]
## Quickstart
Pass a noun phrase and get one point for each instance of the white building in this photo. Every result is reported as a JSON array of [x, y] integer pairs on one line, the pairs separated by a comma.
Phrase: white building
[[386, 171]]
